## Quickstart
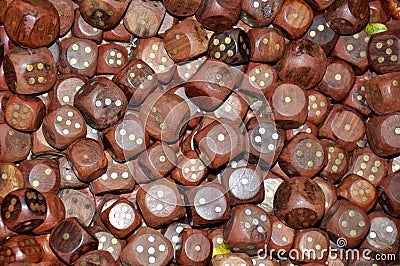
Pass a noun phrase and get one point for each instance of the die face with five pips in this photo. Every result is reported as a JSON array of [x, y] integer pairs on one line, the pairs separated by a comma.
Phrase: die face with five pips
[[199, 132]]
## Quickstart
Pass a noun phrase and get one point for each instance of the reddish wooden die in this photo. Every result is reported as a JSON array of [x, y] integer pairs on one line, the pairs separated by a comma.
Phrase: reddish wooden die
[[101, 101], [196, 248], [230, 46], [87, 158], [319, 4], [11, 179], [67, 175], [248, 229], [54, 215], [22, 249], [24, 113], [218, 15], [267, 44], [368, 165], [104, 14], [127, 138], [117, 34], [160, 203], [165, 116], [78, 56], [383, 52], [303, 156], [100, 257], [383, 236], [344, 126], [109, 243], [299, 203], [69, 240], [347, 221], [356, 97], [65, 10], [14, 145], [29, 71], [338, 79], [65, 89], [23, 210], [348, 16], [389, 197], [259, 13], [190, 170], [294, 18], [315, 241], [383, 133], [42, 175], [63, 126], [359, 191], [259, 77], [208, 205], [147, 246], [181, 9], [337, 164], [244, 185], [111, 58], [288, 103], [282, 236], [185, 40], [231, 259], [143, 18], [82, 29], [29, 30], [329, 190], [303, 63], [382, 93], [121, 218]]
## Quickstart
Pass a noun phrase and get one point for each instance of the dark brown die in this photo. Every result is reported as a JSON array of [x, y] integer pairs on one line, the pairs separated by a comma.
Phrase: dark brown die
[[320, 32], [165, 116], [121, 218], [146, 247], [63, 126], [127, 138], [82, 29], [383, 134], [143, 18], [348, 16], [54, 215], [24, 113], [196, 248], [87, 158], [78, 204], [356, 97], [303, 156], [344, 126], [244, 185], [181, 8], [160, 203], [103, 14], [303, 63], [101, 101], [99, 257], [29, 30], [383, 50], [78, 56], [267, 44], [137, 80], [337, 163], [111, 58], [29, 71], [348, 221], [259, 14], [42, 175], [315, 241], [67, 175], [208, 205], [359, 191], [23, 210], [383, 236], [173, 234], [389, 197], [22, 249], [118, 178], [299, 202], [186, 40], [69, 240], [248, 229], [230, 46], [14, 145]]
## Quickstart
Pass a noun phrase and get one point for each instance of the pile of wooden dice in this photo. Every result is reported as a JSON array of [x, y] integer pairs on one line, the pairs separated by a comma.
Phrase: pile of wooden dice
[[200, 132]]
